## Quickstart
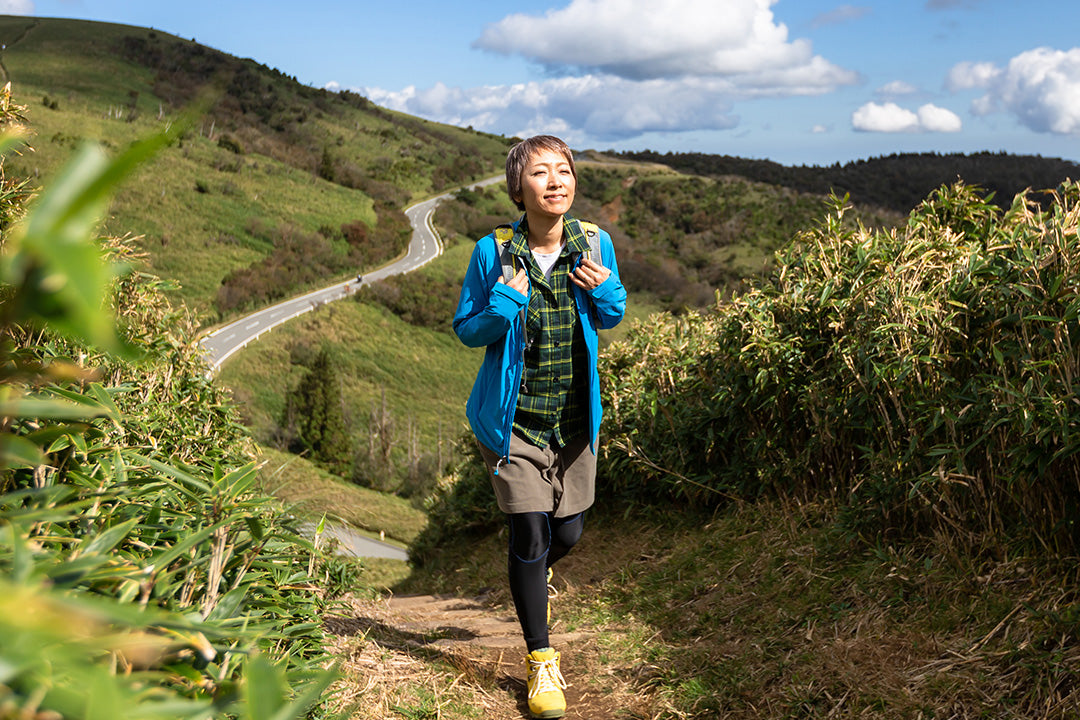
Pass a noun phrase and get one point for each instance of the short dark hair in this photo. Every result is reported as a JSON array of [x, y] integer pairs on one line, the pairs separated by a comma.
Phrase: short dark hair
[[519, 157]]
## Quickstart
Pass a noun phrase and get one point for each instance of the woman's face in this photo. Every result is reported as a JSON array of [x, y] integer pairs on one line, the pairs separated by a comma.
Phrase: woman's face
[[547, 185]]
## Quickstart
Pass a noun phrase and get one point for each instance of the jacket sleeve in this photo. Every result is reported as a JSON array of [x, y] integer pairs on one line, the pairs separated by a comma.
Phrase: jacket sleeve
[[609, 297], [486, 308]]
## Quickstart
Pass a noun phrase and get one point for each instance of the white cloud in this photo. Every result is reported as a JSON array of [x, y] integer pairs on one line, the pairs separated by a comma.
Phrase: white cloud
[[968, 75], [891, 118], [937, 119], [1040, 87], [578, 107], [897, 88], [679, 65], [16, 7], [734, 39]]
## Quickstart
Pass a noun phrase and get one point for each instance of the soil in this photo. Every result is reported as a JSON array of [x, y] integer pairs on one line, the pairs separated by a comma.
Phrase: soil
[[482, 641]]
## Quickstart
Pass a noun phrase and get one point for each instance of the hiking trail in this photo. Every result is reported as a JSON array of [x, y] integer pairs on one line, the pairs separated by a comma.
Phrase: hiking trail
[[393, 639]]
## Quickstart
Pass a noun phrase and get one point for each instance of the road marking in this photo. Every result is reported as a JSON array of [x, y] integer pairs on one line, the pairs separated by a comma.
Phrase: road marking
[[253, 325]]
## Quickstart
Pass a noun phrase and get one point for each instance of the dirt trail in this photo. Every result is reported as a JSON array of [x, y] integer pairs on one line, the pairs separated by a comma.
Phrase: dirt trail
[[482, 641]]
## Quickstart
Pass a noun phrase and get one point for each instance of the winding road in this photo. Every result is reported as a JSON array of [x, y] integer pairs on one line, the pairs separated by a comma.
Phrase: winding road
[[424, 247], [224, 342]]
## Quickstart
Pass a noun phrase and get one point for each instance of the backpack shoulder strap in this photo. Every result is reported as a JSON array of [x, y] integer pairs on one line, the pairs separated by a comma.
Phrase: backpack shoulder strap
[[591, 231], [503, 235]]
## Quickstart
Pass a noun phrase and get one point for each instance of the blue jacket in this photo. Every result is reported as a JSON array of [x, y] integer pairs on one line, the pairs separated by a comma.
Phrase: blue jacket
[[488, 314]]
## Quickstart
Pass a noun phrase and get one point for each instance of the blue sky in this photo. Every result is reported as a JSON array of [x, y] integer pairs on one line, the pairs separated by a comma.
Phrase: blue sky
[[795, 81]]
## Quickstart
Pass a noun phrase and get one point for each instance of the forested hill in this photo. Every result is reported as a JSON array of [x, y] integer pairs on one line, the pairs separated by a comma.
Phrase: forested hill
[[275, 187], [896, 182]]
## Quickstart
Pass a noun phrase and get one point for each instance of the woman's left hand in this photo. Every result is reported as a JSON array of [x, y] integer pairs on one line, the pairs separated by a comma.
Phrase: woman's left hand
[[589, 275]]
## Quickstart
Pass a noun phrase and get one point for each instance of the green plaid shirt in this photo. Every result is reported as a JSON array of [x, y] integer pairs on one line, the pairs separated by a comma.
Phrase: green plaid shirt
[[552, 404]]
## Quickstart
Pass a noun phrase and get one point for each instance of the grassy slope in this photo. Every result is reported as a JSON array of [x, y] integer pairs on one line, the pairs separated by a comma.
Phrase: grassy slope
[[196, 237]]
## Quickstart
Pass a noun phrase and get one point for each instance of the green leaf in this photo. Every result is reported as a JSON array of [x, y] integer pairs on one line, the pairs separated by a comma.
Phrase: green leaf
[[311, 694], [19, 453], [265, 689], [109, 539], [49, 408], [162, 560]]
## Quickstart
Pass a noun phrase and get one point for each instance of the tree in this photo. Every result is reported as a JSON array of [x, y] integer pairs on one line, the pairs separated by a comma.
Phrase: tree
[[315, 409]]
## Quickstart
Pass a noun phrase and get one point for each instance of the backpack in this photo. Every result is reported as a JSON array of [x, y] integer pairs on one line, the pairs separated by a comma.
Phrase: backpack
[[505, 233]]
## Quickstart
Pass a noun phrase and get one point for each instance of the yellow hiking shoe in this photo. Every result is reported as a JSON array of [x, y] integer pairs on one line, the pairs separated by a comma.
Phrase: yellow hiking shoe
[[546, 685]]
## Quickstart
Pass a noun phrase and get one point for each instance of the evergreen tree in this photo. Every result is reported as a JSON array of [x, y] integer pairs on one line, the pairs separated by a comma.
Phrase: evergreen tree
[[314, 408]]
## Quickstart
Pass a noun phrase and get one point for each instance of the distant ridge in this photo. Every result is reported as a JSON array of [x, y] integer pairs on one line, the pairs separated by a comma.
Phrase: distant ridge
[[896, 182]]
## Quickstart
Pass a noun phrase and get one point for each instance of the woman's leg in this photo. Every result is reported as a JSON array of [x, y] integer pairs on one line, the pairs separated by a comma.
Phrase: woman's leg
[[565, 532], [530, 543]]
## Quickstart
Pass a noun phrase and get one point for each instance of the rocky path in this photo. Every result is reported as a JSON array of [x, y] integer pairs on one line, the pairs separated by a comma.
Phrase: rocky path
[[392, 640]]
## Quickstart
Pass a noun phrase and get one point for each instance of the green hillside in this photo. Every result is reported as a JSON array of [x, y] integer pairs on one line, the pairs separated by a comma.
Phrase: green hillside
[[269, 164]]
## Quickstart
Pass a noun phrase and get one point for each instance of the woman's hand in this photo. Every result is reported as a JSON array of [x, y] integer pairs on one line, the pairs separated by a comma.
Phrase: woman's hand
[[589, 275], [519, 282]]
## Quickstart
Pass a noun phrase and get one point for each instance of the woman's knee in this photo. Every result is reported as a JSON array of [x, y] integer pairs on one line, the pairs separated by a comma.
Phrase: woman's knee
[[530, 536], [567, 531]]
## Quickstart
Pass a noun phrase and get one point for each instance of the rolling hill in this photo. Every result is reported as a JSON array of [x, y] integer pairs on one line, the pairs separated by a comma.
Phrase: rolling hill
[[268, 165]]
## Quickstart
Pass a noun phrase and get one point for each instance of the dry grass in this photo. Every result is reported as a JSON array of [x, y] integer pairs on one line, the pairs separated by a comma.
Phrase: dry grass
[[763, 612]]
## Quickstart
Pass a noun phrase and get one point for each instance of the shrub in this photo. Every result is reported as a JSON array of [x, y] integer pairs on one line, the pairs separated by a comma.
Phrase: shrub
[[921, 376]]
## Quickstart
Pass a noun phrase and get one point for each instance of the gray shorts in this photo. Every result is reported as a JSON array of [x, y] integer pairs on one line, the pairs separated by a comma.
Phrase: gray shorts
[[533, 479]]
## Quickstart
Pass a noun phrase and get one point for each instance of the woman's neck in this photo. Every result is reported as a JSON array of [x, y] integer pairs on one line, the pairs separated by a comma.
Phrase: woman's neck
[[545, 233]]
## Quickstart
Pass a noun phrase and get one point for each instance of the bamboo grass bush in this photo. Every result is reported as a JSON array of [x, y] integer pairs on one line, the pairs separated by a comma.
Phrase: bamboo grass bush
[[140, 577], [924, 378]]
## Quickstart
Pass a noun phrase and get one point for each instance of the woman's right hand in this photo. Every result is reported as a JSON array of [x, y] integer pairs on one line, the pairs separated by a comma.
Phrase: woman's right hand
[[519, 282]]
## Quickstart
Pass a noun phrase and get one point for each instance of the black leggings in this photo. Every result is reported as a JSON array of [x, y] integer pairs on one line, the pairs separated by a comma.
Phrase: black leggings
[[537, 541]]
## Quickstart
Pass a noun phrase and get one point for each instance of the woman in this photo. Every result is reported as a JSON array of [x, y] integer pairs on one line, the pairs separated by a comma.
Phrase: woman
[[535, 298]]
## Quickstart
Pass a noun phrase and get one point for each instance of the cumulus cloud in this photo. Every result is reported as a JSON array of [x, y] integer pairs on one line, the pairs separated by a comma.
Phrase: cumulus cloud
[[16, 7], [578, 107], [1040, 87], [735, 39], [891, 118], [641, 66]]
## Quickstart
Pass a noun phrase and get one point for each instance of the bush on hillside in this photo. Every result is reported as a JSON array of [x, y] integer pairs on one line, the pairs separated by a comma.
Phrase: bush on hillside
[[924, 377]]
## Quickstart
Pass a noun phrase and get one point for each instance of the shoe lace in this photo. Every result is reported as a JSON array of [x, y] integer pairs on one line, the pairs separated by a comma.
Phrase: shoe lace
[[545, 676]]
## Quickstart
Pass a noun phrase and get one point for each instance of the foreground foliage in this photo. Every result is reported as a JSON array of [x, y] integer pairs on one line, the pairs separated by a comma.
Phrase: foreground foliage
[[140, 577]]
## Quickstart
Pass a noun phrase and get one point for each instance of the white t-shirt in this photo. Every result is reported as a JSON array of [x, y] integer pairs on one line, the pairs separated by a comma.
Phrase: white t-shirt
[[546, 261]]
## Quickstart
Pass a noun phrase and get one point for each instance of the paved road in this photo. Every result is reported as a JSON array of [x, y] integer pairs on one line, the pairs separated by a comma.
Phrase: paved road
[[353, 543], [424, 247]]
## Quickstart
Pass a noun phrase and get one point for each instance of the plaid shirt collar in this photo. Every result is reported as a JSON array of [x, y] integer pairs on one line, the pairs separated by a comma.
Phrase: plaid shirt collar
[[575, 239]]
